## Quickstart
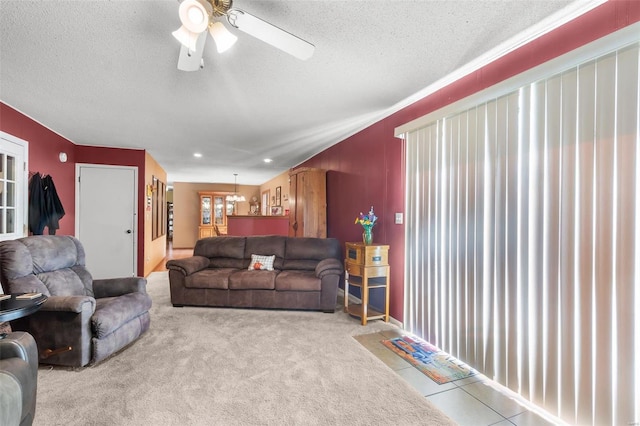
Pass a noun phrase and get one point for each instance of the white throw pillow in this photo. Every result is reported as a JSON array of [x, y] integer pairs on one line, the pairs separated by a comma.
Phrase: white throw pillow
[[262, 262]]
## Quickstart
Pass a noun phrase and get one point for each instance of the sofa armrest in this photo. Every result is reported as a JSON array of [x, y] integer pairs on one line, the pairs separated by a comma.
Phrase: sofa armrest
[[113, 287], [188, 265], [328, 266], [75, 304]]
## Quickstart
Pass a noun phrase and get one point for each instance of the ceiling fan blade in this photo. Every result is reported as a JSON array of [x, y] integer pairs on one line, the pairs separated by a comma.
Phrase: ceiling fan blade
[[192, 60], [271, 34]]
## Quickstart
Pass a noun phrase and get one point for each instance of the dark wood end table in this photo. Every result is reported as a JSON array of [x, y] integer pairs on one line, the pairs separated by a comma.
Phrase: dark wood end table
[[12, 308]]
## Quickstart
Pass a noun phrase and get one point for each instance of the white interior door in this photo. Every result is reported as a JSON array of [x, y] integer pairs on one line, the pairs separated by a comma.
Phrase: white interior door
[[106, 217], [13, 187]]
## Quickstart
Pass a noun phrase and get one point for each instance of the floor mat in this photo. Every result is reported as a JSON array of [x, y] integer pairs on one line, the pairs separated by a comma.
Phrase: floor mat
[[438, 365]]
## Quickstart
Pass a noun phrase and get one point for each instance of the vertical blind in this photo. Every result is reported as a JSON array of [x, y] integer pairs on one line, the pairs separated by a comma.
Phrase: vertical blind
[[523, 239]]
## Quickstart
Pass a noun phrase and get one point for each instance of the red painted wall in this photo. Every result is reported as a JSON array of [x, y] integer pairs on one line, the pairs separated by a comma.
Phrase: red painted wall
[[257, 225], [368, 167], [44, 147], [367, 170]]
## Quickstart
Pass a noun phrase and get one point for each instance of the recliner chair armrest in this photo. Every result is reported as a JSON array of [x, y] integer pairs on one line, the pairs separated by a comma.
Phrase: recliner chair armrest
[[11, 372], [188, 265], [328, 266], [63, 322], [18, 378], [20, 344], [113, 287], [74, 304]]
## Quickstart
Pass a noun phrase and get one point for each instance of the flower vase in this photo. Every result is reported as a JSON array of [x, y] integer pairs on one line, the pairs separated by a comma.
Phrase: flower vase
[[367, 236]]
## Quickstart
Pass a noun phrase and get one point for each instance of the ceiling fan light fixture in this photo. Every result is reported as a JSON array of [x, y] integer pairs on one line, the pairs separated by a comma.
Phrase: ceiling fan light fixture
[[194, 16], [187, 38], [222, 36]]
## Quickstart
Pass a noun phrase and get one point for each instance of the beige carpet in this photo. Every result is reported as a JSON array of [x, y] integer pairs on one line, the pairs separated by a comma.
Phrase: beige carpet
[[208, 366]]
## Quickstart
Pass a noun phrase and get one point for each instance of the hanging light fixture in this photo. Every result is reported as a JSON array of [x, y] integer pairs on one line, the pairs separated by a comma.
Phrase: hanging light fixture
[[234, 198], [196, 16]]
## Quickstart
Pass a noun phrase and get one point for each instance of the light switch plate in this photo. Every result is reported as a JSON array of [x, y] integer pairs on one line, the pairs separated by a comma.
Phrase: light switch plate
[[398, 218]]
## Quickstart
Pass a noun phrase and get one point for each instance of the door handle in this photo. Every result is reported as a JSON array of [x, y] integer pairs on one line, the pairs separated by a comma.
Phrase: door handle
[[128, 231]]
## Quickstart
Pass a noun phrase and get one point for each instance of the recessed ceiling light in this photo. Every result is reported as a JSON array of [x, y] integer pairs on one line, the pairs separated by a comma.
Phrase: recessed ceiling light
[[197, 155], [267, 160]]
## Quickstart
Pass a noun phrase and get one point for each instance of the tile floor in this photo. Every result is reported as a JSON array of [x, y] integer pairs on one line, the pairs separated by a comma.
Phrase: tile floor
[[476, 401]]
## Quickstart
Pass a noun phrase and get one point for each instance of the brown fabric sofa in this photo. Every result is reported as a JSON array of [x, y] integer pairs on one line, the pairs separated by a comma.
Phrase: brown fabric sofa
[[305, 276]]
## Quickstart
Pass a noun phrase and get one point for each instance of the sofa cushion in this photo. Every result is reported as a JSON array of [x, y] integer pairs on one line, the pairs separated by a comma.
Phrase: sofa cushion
[[298, 281], [63, 282], [223, 252], [56, 261], [253, 280], [210, 278], [305, 253]]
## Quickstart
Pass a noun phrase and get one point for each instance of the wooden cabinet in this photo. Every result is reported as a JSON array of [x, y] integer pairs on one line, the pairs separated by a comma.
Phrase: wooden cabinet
[[367, 267], [213, 214], [308, 203]]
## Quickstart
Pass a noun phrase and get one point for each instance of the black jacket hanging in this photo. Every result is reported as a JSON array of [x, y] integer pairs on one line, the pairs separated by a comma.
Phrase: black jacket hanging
[[53, 205], [45, 207], [36, 205]]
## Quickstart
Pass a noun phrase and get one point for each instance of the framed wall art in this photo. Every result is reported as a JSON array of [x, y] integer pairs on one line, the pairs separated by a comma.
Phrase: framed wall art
[[278, 196]]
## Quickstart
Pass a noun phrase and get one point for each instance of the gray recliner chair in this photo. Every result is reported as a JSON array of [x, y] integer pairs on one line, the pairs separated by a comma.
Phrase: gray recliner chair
[[83, 320], [18, 379]]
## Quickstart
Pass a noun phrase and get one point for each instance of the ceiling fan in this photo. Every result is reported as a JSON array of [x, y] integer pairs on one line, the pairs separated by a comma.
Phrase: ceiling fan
[[198, 16]]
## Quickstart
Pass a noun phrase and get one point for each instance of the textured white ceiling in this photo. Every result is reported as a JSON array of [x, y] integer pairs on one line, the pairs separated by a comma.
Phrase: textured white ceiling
[[104, 73]]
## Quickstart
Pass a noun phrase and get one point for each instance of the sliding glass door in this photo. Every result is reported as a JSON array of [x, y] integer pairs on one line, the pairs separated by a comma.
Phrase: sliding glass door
[[523, 238]]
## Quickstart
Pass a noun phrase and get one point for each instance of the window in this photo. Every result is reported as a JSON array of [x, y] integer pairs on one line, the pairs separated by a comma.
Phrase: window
[[13, 187]]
